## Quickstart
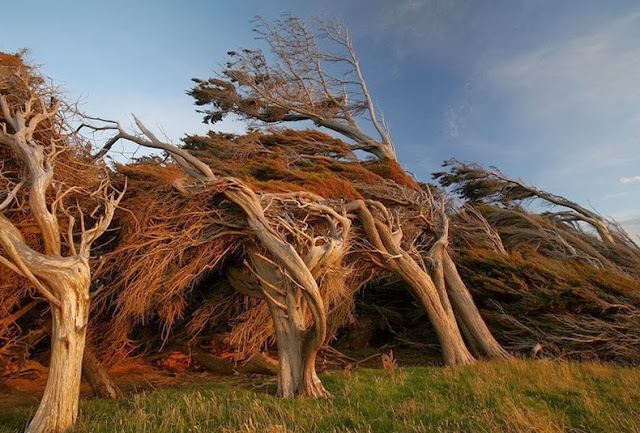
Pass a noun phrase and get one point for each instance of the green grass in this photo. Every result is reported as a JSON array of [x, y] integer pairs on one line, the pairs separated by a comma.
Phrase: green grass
[[513, 396]]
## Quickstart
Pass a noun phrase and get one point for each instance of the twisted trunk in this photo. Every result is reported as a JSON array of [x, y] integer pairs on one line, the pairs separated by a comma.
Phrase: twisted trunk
[[296, 342], [380, 235]]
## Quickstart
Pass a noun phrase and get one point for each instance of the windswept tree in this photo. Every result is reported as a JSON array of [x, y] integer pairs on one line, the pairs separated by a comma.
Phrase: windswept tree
[[562, 224], [295, 84], [286, 272], [477, 184], [309, 72], [49, 182], [313, 73]]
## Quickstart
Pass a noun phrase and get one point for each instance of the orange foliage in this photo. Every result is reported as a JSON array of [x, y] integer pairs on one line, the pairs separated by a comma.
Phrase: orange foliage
[[331, 187], [10, 60], [390, 169]]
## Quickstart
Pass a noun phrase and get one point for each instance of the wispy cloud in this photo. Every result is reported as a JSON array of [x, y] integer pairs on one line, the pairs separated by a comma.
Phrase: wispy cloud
[[620, 194], [632, 225], [455, 116], [632, 179], [595, 72]]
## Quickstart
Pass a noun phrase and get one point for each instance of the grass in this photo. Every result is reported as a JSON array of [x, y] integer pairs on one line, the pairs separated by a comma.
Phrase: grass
[[505, 396]]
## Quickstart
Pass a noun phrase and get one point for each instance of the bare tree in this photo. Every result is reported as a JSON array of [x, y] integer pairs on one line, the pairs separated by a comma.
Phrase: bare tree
[[32, 128], [300, 80]]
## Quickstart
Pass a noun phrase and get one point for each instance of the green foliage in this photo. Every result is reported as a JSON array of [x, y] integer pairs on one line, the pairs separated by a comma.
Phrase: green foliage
[[505, 396], [574, 310]]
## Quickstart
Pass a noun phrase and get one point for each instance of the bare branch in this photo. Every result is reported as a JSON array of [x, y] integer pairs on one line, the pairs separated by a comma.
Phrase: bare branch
[[301, 81]]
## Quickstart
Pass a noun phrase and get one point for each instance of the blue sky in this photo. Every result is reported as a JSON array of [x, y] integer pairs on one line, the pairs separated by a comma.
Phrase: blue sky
[[545, 90]]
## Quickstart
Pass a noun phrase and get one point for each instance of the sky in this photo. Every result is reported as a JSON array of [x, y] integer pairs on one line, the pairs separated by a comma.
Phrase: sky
[[547, 91]]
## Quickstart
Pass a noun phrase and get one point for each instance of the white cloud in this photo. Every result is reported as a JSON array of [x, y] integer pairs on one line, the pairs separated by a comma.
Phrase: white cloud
[[632, 179]]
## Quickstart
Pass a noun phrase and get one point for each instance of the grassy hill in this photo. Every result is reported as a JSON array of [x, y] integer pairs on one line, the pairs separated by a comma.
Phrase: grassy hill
[[500, 396]]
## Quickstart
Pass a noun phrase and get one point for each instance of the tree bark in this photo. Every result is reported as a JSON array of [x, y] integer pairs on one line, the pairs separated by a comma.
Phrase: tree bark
[[98, 377], [473, 325], [454, 350], [297, 348], [63, 281], [58, 408], [260, 363]]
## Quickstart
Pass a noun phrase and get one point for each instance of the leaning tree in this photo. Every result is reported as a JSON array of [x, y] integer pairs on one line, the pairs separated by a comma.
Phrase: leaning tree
[[285, 264], [51, 185], [286, 273], [313, 73], [566, 224], [300, 80]]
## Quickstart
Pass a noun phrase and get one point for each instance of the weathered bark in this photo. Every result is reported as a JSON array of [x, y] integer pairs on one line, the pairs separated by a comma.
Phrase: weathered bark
[[63, 281], [454, 350], [473, 325], [97, 375], [58, 408], [66, 281], [296, 342], [380, 235], [457, 300]]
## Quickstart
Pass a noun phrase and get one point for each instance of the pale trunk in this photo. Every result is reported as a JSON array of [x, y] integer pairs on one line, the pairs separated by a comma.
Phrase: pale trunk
[[454, 350], [474, 326], [58, 408], [297, 367], [296, 346]]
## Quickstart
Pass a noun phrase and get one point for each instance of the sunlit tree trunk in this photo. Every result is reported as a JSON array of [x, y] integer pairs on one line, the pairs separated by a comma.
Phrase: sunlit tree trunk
[[63, 280], [58, 408], [380, 235]]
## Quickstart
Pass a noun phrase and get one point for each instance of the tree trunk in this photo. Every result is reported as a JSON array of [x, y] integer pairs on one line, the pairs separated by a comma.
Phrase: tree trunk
[[454, 350], [58, 408], [297, 367], [260, 363], [98, 377], [472, 323], [297, 347]]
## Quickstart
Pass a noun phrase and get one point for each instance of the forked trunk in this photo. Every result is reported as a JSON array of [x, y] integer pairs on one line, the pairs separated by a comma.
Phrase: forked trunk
[[379, 234], [58, 408], [454, 350]]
